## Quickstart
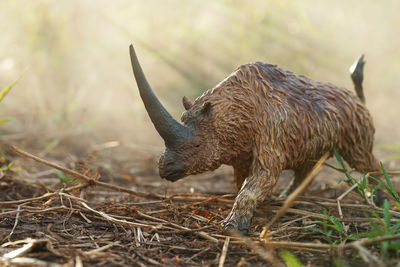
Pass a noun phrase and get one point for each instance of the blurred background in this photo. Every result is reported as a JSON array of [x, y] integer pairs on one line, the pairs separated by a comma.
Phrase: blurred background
[[77, 91]]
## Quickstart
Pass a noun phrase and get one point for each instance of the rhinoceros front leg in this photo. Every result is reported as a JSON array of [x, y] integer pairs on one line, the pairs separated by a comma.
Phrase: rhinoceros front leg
[[255, 189]]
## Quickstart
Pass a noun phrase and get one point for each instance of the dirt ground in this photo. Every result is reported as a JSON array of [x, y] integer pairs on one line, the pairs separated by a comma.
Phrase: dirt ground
[[47, 222]]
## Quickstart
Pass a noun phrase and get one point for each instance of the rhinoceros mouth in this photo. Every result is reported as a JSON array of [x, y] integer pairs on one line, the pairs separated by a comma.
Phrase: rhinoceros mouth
[[173, 175], [172, 170]]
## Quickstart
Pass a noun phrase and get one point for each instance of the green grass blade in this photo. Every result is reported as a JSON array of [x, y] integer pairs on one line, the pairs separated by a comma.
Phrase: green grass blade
[[376, 229], [338, 157], [389, 186], [290, 259], [336, 224], [388, 181], [379, 185], [386, 216], [5, 91], [66, 178], [317, 230], [335, 168], [364, 181], [2, 121], [395, 227], [356, 236]]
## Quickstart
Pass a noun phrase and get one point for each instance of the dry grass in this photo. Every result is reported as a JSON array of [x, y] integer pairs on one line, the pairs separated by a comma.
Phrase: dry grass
[[95, 223]]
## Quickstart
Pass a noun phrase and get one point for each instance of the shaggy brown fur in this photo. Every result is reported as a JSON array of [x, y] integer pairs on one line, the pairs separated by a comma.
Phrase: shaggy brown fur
[[262, 120]]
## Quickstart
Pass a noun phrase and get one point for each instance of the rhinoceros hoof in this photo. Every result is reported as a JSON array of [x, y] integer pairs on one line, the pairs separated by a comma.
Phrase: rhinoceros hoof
[[241, 224]]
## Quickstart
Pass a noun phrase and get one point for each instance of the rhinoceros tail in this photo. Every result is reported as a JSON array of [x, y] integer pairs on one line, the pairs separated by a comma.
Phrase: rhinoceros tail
[[357, 75]]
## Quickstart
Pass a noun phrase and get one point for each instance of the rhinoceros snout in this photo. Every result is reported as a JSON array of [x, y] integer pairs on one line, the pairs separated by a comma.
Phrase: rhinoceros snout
[[170, 169]]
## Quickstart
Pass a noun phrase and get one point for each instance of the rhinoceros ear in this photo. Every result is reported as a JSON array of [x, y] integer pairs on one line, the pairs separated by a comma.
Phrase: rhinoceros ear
[[187, 104], [206, 108]]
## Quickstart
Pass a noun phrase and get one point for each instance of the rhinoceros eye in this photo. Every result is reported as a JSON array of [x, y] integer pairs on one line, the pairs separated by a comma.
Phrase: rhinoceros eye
[[197, 142]]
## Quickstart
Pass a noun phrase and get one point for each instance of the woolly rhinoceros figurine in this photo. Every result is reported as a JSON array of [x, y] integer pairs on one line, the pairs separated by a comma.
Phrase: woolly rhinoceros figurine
[[261, 120]]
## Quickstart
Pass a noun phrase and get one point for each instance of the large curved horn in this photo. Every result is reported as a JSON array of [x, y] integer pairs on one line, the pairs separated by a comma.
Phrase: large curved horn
[[170, 130]]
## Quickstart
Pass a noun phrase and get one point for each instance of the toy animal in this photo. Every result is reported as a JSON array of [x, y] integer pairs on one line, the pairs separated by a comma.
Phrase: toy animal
[[261, 120]]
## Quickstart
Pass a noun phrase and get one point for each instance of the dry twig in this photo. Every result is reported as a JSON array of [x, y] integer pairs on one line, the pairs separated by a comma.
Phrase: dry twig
[[101, 249], [266, 255], [15, 224], [367, 256], [292, 197], [224, 252], [200, 233], [83, 177], [113, 220]]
